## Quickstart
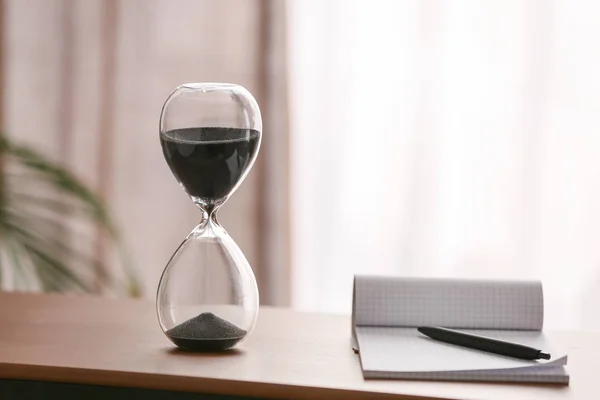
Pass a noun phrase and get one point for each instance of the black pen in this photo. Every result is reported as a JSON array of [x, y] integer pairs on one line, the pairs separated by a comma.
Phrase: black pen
[[483, 343]]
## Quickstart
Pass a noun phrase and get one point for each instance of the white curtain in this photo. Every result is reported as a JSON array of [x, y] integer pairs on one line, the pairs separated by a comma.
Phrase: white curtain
[[85, 82], [447, 138]]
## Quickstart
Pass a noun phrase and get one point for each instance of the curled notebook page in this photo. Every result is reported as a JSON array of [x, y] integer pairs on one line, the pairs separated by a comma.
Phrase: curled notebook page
[[387, 311], [452, 303]]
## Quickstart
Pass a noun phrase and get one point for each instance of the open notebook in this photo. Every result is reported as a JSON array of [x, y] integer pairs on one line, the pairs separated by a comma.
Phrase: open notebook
[[387, 310]]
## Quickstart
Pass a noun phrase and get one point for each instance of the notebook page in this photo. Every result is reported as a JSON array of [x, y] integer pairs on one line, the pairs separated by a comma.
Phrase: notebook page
[[548, 374], [405, 350], [452, 303]]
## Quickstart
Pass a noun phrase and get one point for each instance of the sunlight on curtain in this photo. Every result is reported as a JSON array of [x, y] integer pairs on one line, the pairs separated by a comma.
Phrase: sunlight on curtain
[[446, 139]]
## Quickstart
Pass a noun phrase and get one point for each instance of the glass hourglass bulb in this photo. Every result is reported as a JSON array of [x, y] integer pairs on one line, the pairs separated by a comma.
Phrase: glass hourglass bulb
[[210, 135]]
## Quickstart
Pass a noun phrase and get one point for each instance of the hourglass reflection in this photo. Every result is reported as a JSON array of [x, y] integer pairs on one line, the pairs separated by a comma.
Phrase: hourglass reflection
[[210, 135]]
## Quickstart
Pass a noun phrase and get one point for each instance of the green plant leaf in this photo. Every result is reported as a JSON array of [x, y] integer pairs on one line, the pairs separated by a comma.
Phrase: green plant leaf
[[37, 251], [35, 203], [20, 277]]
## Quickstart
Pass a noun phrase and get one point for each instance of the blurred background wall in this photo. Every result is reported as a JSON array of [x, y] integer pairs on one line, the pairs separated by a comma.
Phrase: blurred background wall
[[447, 138], [431, 138], [84, 82]]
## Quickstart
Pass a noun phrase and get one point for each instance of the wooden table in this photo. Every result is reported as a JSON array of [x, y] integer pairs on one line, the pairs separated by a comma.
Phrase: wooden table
[[114, 344]]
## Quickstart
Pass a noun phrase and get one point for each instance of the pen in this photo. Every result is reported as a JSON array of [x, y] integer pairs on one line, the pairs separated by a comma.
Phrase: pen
[[483, 343]]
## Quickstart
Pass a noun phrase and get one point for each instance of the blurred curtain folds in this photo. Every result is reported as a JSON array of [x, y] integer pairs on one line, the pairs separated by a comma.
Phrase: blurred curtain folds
[[84, 83]]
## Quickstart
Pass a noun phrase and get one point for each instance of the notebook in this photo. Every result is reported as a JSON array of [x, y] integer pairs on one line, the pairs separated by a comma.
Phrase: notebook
[[387, 310]]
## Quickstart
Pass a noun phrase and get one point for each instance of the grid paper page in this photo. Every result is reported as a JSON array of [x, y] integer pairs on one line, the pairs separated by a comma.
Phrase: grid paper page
[[452, 303], [405, 353]]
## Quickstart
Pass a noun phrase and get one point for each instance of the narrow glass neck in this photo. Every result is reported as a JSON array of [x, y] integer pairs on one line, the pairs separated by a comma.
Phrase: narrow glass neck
[[209, 216], [208, 207], [208, 227]]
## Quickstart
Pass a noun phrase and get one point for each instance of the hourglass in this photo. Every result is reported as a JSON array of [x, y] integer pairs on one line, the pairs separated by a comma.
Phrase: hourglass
[[207, 297]]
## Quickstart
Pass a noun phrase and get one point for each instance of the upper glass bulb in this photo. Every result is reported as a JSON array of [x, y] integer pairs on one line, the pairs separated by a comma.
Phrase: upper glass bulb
[[210, 134]]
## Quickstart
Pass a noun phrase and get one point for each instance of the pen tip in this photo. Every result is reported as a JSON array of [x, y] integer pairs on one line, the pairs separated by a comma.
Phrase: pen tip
[[544, 356]]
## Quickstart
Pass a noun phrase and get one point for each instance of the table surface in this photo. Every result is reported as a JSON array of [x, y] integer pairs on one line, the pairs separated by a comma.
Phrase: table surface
[[118, 342]]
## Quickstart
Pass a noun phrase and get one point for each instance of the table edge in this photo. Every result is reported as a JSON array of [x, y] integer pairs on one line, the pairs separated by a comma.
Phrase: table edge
[[189, 384]]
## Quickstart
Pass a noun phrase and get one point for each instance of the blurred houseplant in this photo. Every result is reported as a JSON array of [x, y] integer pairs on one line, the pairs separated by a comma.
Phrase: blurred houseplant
[[43, 211]]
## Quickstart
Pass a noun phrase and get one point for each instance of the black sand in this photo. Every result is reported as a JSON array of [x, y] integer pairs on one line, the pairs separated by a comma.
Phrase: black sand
[[206, 332], [209, 162]]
